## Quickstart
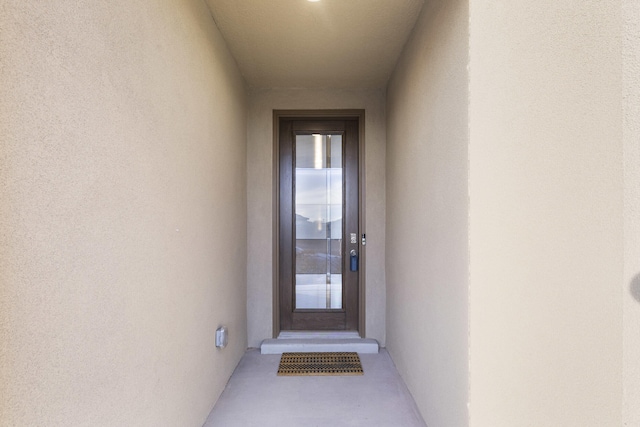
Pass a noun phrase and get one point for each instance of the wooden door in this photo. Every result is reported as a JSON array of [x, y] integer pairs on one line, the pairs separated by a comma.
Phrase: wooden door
[[318, 224]]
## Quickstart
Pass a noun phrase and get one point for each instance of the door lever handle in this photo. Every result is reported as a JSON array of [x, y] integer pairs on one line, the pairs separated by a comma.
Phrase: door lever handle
[[353, 260]]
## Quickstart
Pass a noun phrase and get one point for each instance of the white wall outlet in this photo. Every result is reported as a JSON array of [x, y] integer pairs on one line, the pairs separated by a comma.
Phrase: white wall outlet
[[222, 337]]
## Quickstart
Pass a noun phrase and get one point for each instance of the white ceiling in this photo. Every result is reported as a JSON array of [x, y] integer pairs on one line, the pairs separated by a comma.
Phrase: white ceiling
[[330, 43]]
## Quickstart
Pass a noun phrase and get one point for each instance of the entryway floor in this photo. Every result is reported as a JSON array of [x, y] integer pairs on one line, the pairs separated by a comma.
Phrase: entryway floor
[[256, 396]]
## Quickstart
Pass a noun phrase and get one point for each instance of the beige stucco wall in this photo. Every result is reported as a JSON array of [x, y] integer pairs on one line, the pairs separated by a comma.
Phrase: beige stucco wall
[[427, 213], [546, 213], [122, 214], [260, 183], [631, 284]]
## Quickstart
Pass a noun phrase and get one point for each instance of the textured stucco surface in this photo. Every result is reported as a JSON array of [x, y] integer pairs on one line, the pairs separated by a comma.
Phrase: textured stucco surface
[[427, 213], [631, 284], [546, 213], [122, 232], [260, 183], [327, 44]]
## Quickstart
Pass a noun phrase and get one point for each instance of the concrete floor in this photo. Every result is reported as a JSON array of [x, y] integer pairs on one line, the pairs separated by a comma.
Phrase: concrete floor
[[256, 396]]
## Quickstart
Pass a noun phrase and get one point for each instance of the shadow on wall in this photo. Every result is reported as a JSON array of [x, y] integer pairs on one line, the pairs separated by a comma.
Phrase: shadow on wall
[[635, 287]]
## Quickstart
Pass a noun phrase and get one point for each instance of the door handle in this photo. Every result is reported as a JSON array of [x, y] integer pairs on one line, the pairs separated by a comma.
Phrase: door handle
[[353, 260]]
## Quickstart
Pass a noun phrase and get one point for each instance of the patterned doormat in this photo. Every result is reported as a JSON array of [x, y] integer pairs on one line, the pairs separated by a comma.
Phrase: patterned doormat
[[302, 364]]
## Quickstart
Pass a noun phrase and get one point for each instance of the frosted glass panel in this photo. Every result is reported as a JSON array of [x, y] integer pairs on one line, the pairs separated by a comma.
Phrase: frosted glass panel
[[312, 291], [318, 209]]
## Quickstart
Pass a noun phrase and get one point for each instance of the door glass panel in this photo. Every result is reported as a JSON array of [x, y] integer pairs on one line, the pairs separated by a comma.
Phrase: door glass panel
[[318, 210]]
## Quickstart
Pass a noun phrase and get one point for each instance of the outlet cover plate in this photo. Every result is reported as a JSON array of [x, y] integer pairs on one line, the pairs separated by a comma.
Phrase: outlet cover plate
[[222, 337]]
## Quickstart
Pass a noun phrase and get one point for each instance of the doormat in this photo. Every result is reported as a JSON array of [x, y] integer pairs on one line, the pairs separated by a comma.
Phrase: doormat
[[303, 364]]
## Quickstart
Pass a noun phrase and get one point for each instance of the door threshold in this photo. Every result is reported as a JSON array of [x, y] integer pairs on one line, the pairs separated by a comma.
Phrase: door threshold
[[318, 335]]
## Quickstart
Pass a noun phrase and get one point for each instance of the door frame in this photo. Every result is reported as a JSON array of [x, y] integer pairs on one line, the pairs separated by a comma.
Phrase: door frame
[[324, 115]]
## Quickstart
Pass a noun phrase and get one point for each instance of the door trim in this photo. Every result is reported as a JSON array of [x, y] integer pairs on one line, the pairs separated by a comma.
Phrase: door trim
[[318, 114]]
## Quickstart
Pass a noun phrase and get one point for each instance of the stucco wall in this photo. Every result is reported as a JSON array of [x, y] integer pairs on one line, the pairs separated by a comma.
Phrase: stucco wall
[[631, 284], [260, 177], [546, 213], [427, 213], [122, 221]]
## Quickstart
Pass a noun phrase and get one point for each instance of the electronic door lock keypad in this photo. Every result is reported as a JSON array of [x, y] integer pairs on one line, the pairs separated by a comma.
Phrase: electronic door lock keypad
[[353, 261]]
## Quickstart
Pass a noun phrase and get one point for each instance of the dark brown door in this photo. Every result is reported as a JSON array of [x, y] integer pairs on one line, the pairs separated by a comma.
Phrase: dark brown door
[[319, 236]]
